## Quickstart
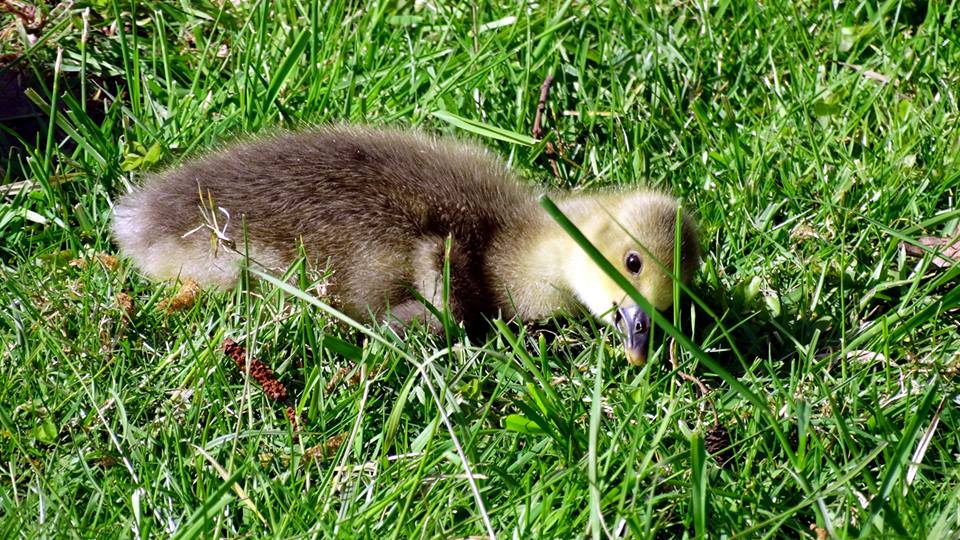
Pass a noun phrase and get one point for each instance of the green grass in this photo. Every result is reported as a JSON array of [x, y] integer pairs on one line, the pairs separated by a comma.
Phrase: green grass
[[812, 139]]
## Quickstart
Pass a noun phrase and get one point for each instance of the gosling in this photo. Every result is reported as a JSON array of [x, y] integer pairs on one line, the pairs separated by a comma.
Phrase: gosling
[[377, 207]]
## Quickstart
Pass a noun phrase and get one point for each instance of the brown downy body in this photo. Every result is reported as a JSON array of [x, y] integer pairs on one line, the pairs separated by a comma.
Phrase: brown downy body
[[377, 205]]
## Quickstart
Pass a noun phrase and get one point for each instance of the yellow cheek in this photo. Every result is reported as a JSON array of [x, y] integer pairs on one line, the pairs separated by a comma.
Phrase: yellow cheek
[[659, 293], [612, 292]]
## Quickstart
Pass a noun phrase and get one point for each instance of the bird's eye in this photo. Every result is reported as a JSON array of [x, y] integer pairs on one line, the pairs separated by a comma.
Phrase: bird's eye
[[633, 262]]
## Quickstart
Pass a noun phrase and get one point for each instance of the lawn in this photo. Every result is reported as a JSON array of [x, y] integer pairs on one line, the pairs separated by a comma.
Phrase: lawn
[[813, 391]]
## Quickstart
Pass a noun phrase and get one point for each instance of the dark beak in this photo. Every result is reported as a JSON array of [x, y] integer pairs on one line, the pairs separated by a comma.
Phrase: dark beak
[[634, 324]]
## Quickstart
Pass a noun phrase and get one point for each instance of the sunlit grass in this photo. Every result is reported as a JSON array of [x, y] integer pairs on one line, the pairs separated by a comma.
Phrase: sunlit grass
[[812, 140]]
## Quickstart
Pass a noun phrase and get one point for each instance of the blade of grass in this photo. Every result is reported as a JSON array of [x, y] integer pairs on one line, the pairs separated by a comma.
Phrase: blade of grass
[[698, 484], [65, 125], [484, 130], [284, 70], [336, 314], [199, 523], [899, 459], [597, 525]]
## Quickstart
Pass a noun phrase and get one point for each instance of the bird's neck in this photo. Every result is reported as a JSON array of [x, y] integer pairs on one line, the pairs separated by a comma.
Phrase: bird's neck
[[536, 263]]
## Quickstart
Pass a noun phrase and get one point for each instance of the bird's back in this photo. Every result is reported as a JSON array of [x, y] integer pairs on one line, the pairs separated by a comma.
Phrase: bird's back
[[360, 198]]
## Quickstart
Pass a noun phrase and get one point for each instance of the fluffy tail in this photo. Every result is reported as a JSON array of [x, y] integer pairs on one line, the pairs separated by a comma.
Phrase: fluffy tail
[[165, 255]]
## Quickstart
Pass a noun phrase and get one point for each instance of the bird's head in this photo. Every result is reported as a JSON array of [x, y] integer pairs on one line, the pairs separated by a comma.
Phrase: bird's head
[[637, 233]]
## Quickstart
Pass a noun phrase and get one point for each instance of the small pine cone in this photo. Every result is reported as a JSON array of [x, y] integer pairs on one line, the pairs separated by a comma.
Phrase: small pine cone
[[235, 351], [273, 388], [295, 422], [717, 441]]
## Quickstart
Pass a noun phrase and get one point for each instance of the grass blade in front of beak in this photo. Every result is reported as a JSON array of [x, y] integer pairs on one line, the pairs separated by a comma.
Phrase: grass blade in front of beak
[[675, 333]]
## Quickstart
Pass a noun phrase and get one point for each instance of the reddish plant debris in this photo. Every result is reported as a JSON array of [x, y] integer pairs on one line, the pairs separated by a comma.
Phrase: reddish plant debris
[[272, 387], [292, 417], [947, 250], [296, 422]]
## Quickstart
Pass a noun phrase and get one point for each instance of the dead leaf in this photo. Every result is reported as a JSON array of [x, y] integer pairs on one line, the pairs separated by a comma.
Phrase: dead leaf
[[326, 449], [355, 376], [108, 261], [803, 231], [31, 17], [868, 73], [125, 302], [947, 250]]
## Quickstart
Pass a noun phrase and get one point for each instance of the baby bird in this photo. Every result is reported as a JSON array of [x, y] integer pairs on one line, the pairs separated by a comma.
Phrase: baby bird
[[377, 206]]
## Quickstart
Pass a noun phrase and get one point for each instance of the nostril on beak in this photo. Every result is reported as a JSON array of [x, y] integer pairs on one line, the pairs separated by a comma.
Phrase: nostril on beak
[[639, 327]]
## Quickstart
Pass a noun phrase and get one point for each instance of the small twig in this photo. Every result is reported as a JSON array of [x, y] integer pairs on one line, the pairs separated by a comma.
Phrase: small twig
[[541, 106], [704, 389], [717, 435], [559, 149], [538, 124]]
